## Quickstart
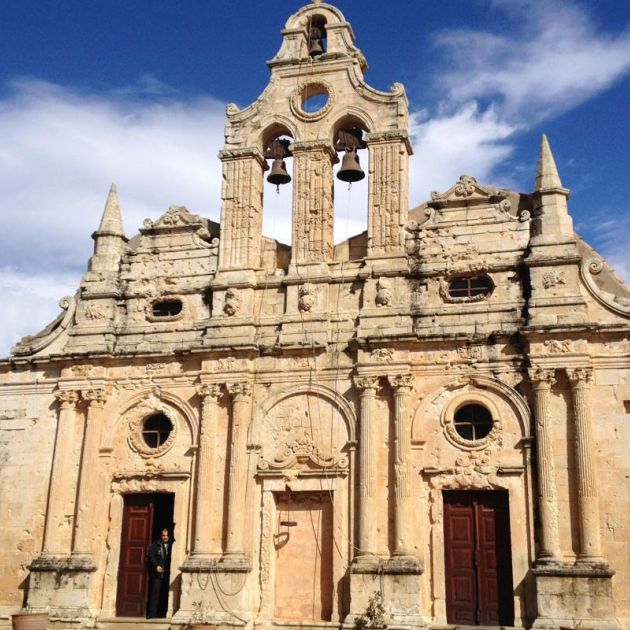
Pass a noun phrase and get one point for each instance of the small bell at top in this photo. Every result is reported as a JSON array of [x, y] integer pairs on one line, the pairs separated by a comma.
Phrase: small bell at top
[[350, 170], [315, 47]]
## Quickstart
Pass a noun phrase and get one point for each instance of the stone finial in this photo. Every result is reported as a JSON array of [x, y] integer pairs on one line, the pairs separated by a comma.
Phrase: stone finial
[[547, 177], [111, 223]]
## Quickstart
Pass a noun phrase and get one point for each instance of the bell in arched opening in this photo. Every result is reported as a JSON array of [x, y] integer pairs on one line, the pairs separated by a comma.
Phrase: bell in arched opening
[[277, 150], [350, 140]]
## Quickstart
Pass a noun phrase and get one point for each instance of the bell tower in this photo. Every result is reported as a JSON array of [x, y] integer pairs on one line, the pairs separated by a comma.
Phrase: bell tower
[[317, 61]]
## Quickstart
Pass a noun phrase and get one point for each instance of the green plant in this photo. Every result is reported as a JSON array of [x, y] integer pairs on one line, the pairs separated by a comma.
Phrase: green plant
[[375, 613]]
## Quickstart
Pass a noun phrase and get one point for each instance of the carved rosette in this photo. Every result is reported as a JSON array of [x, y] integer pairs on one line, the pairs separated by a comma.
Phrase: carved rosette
[[384, 295], [306, 299], [232, 303]]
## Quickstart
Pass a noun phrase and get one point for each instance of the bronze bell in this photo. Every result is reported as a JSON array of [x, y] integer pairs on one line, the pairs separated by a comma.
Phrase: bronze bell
[[315, 47], [350, 170], [278, 175]]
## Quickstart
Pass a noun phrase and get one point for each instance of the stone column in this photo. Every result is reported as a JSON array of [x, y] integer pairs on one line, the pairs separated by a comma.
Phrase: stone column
[[388, 192], [367, 461], [88, 473], [241, 210], [57, 535], [588, 500], [241, 413], [313, 211], [542, 381], [402, 386], [209, 394]]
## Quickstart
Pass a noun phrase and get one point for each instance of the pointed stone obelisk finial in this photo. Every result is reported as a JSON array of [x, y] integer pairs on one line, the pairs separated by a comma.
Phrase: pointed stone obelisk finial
[[547, 177], [111, 223]]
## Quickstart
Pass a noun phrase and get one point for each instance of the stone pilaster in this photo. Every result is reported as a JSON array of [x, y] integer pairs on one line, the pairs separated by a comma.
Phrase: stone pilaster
[[367, 496], [241, 412], [588, 499], [313, 212], [388, 192], [58, 532], [241, 210], [88, 473], [202, 542], [543, 381], [402, 385]]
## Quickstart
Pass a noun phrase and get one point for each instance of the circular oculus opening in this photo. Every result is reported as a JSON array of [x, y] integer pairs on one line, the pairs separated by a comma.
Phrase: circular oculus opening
[[473, 422], [313, 98], [156, 430]]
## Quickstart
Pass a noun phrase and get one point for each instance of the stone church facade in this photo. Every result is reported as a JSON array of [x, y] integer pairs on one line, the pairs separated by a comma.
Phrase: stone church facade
[[436, 409]]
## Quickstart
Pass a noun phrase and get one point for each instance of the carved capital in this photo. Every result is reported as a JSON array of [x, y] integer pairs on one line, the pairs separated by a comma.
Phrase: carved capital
[[209, 392], [240, 391], [542, 379], [401, 383], [95, 397], [580, 377], [67, 398], [366, 384]]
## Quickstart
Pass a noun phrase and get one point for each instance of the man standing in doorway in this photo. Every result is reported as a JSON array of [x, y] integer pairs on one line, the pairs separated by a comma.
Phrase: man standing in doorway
[[159, 564]]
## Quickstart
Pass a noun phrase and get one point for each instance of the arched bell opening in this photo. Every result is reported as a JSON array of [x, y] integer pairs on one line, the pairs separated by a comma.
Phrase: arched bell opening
[[278, 183], [351, 183], [316, 36]]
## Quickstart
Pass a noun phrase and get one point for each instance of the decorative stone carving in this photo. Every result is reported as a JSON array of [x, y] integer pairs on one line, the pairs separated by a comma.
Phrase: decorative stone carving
[[382, 355], [306, 299], [472, 471], [67, 398], [173, 217], [232, 302], [553, 277], [134, 421], [555, 346], [95, 397], [384, 295]]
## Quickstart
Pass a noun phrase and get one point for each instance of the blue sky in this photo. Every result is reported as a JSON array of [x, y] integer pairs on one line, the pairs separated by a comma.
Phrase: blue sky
[[134, 92]]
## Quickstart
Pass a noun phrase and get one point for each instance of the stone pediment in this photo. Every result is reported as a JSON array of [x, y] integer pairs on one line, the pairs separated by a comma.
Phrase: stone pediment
[[466, 191], [174, 219]]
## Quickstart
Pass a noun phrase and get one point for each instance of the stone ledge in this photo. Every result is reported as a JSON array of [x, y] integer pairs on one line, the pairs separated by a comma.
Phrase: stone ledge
[[400, 565], [68, 564], [579, 569]]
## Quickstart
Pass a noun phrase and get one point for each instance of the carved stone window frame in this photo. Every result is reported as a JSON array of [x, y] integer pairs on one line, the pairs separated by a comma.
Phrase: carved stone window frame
[[447, 420], [168, 318], [317, 86], [136, 418], [445, 284]]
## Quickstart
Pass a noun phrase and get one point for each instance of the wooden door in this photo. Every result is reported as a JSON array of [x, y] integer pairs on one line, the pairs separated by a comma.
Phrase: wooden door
[[131, 596], [303, 543], [478, 559]]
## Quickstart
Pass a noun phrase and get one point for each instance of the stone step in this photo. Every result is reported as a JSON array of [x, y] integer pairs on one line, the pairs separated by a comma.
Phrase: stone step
[[132, 623]]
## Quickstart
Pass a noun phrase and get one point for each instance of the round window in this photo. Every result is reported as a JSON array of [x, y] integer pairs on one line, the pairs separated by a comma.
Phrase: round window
[[312, 101], [156, 429], [473, 422]]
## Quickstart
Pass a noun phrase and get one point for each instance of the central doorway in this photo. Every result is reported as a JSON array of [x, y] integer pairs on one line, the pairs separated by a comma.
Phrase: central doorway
[[144, 516], [478, 558], [303, 540]]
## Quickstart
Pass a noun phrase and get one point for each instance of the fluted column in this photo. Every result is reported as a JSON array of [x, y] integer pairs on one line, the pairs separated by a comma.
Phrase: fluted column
[[588, 500], [88, 472], [57, 535], [241, 211], [542, 381], [209, 394], [367, 460], [313, 212], [241, 412], [402, 385]]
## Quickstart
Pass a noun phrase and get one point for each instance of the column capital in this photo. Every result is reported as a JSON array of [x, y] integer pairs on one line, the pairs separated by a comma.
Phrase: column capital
[[96, 397], [240, 391], [67, 398], [401, 383], [211, 391], [366, 384], [580, 377], [542, 378]]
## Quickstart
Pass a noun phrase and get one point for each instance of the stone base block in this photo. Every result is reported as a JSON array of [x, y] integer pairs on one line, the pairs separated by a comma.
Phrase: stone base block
[[398, 580], [575, 596], [214, 593], [60, 585]]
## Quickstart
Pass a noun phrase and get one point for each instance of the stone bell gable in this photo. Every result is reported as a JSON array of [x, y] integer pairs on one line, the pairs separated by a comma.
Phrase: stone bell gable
[[435, 409]]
